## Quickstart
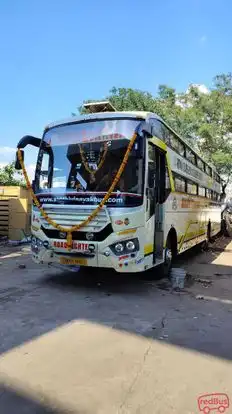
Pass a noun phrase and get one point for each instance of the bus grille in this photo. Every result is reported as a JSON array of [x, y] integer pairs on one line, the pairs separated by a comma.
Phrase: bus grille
[[68, 216]]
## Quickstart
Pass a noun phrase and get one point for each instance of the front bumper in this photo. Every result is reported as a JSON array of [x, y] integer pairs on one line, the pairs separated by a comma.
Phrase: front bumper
[[100, 256]]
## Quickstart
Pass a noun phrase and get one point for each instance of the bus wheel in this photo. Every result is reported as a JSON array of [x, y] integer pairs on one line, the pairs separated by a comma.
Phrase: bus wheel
[[170, 253], [167, 265]]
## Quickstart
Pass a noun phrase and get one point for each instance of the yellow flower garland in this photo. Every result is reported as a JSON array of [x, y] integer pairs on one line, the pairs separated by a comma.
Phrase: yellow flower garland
[[69, 231], [93, 172]]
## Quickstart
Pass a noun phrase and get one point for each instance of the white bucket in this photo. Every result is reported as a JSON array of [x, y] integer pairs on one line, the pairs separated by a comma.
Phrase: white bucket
[[178, 278]]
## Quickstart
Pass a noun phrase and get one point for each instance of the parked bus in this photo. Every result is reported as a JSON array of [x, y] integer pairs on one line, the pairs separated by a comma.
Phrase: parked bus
[[118, 190]]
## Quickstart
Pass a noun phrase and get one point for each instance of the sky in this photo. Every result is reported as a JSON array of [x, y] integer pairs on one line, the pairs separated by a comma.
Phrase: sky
[[54, 54]]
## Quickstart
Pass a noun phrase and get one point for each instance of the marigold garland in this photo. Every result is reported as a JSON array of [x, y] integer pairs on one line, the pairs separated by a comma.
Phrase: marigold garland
[[69, 231], [83, 159]]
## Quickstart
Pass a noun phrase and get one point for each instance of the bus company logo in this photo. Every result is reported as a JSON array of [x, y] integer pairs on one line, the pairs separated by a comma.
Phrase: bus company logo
[[213, 402]]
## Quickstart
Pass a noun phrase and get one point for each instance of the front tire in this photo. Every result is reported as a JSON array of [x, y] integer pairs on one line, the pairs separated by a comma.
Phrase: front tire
[[168, 259], [170, 254]]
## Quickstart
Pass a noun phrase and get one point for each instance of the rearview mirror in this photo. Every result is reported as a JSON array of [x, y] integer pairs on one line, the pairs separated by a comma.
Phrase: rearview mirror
[[24, 141], [29, 140], [17, 163]]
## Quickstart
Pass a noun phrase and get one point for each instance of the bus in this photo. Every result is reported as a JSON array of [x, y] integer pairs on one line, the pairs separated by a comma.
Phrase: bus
[[118, 190]]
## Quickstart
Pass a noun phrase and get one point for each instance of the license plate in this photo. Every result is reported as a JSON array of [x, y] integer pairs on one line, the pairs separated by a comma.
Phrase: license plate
[[68, 261]]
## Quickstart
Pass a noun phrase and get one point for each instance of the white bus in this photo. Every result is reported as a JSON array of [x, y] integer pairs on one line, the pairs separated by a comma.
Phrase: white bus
[[166, 201]]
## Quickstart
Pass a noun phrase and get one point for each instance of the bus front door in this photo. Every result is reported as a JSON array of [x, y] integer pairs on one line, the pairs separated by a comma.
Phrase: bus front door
[[156, 184]]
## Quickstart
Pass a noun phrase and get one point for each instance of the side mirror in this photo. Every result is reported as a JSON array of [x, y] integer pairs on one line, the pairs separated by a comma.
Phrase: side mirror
[[17, 163], [33, 185], [24, 141], [29, 140]]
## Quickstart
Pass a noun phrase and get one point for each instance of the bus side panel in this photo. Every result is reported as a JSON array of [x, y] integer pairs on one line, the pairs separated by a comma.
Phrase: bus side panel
[[189, 215]]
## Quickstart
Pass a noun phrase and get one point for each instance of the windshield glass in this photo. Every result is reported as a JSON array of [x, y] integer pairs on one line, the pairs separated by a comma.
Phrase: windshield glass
[[78, 162]]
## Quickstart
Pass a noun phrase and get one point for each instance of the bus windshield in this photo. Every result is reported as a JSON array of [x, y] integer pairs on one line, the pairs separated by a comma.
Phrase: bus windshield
[[79, 160]]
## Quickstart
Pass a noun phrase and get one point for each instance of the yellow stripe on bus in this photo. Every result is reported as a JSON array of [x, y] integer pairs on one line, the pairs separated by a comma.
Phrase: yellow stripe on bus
[[148, 248], [159, 143], [172, 184]]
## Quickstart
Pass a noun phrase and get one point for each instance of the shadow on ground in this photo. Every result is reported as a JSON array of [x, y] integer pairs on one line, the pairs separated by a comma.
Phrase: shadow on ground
[[14, 402]]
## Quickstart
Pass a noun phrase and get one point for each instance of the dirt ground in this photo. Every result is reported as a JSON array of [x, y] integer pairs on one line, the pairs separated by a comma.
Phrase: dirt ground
[[101, 342]]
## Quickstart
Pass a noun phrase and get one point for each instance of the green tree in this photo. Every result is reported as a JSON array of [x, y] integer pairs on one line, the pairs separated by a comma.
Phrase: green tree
[[8, 176], [203, 119]]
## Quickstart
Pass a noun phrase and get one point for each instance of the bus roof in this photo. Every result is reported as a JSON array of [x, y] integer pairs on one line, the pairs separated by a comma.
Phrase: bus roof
[[106, 115]]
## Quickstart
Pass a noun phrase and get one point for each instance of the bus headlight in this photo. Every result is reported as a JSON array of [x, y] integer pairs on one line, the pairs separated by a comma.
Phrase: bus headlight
[[119, 247], [130, 246], [125, 247]]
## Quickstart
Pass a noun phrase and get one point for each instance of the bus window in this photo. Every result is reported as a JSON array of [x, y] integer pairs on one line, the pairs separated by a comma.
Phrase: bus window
[[151, 165], [43, 179], [167, 181], [191, 188], [181, 149], [200, 164], [208, 170], [201, 191], [190, 156], [216, 196], [208, 193], [166, 135], [180, 184], [174, 142], [157, 128]]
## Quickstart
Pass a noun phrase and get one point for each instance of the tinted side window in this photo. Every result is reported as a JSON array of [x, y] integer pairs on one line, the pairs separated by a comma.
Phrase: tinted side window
[[216, 196], [157, 128], [200, 164], [181, 149], [191, 188], [201, 191], [166, 135], [208, 193], [180, 184], [169, 138], [208, 170], [173, 141], [151, 165], [190, 156]]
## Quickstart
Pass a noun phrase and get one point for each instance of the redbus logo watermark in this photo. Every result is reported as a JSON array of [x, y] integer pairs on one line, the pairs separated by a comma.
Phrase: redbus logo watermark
[[213, 402]]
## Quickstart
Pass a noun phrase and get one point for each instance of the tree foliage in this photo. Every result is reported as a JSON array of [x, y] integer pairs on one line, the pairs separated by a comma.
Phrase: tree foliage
[[8, 176], [203, 119]]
